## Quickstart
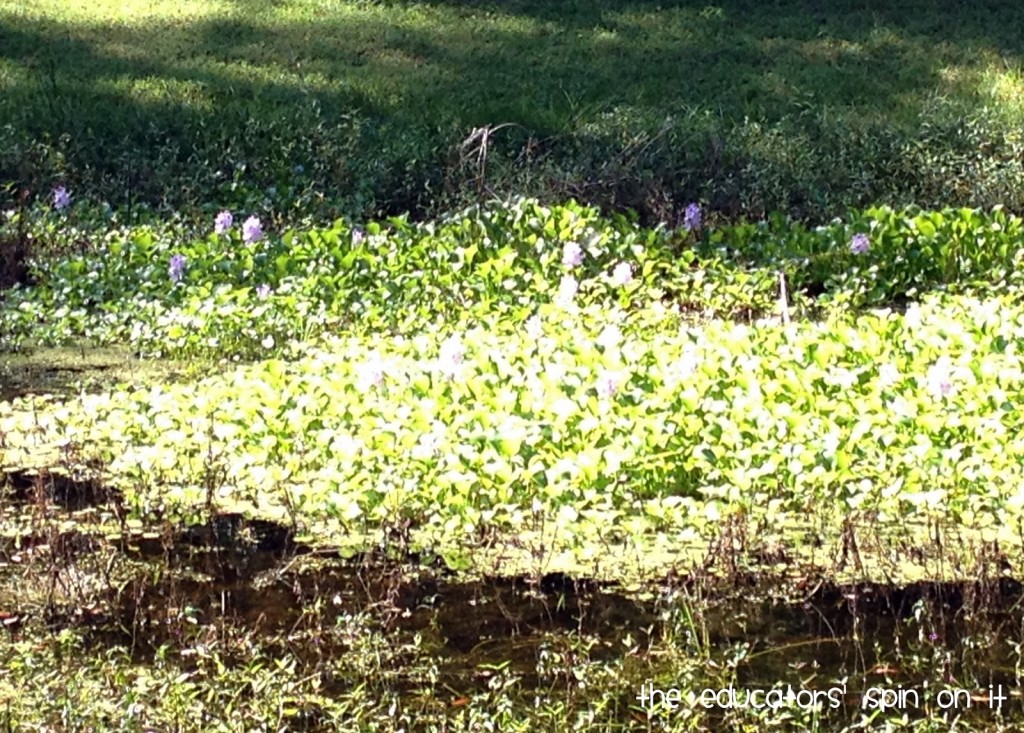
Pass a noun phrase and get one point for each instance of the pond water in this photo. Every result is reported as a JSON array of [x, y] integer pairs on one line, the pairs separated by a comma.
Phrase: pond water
[[925, 649]]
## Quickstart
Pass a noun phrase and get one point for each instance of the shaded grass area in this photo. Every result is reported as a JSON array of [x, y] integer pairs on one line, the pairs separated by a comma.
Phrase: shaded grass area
[[801, 106]]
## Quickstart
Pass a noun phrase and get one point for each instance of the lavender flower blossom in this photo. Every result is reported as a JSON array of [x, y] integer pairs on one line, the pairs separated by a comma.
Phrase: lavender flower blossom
[[61, 198], [622, 274], [607, 384], [860, 244], [177, 267], [452, 356], [263, 291], [572, 255], [940, 379], [692, 217], [252, 230], [370, 374], [223, 222]]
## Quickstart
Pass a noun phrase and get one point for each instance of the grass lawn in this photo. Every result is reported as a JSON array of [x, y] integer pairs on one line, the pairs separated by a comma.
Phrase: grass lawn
[[747, 106]]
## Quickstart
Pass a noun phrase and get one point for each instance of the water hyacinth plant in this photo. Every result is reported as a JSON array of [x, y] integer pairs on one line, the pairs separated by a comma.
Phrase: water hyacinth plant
[[176, 269], [223, 223], [940, 379], [536, 435], [692, 447], [370, 373], [608, 384], [622, 275], [692, 218], [252, 230], [61, 198], [572, 255], [452, 357]]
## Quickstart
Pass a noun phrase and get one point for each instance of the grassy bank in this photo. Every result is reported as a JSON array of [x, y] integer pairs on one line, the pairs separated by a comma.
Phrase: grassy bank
[[370, 108]]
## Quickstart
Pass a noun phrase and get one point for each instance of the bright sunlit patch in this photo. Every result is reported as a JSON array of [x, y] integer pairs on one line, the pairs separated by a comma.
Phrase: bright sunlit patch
[[132, 11]]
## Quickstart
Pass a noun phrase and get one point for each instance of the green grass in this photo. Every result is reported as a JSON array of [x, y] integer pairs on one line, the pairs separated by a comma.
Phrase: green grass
[[748, 106]]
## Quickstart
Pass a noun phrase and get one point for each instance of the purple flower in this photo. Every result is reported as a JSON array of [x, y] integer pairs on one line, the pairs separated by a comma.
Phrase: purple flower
[[370, 374], [622, 274], [572, 255], [358, 236], [252, 230], [223, 222], [692, 217], [263, 291], [177, 267], [860, 244], [61, 198], [452, 351]]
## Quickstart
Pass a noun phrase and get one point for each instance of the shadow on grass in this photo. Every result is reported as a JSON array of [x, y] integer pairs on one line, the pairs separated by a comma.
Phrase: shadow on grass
[[486, 67], [371, 90], [991, 23]]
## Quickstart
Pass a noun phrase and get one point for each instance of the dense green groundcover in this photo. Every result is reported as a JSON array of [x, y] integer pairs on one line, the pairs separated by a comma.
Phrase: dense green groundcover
[[175, 290], [515, 389], [610, 424], [516, 364]]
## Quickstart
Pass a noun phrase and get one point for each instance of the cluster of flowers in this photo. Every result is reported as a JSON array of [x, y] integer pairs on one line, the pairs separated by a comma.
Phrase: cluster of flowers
[[622, 273], [572, 257], [252, 229], [860, 244], [61, 198], [252, 232]]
